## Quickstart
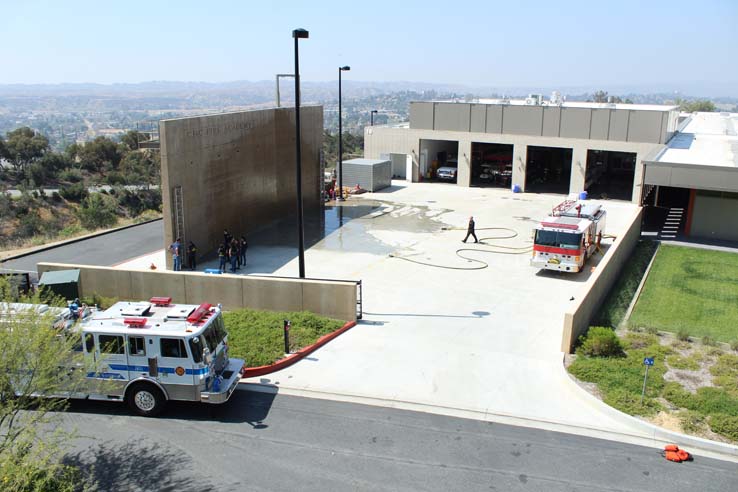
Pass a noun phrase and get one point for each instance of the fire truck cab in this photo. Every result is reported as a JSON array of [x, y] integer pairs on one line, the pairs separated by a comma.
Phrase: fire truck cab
[[566, 238]]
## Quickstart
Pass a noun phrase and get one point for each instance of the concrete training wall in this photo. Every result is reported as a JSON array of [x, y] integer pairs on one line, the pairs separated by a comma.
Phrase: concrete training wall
[[578, 317], [333, 299], [237, 171]]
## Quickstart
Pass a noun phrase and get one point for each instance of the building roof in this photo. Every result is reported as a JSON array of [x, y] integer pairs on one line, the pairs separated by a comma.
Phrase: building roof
[[709, 139], [572, 104]]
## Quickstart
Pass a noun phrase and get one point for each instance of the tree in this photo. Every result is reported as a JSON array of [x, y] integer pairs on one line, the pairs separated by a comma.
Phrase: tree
[[32, 351], [97, 211], [132, 138], [25, 146], [99, 155], [696, 106]]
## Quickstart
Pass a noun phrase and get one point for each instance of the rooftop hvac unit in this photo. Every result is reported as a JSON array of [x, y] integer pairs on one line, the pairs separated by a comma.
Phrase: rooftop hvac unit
[[534, 99], [556, 98]]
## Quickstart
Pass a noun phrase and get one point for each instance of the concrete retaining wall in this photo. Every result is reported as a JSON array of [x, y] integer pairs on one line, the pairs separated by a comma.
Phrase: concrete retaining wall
[[333, 299], [577, 318]]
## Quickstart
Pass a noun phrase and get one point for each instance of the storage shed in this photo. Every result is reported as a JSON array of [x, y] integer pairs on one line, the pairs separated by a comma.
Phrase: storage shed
[[369, 174], [63, 283]]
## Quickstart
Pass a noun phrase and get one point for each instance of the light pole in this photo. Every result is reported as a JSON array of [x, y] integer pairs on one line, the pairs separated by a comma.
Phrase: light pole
[[298, 34], [371, 116], [340, 134]]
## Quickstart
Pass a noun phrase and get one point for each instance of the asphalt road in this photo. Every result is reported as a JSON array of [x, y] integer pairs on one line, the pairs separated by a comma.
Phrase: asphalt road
[[104, 250], [272, 442]]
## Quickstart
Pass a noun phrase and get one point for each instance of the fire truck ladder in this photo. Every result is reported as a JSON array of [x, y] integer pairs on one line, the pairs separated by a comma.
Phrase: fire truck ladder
[[562, 207], [178, 213]]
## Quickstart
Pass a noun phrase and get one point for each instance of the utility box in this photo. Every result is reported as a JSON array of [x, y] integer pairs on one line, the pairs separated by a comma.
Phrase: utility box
[[369, 174], [63, 283]]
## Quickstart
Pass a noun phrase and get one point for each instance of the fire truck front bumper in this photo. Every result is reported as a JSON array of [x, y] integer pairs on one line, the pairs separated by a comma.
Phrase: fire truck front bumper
[[229, 379], [554, 264]]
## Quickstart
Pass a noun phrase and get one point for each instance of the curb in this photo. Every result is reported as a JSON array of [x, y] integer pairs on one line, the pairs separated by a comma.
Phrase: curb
[[252, 372], [58, 244], [656, 433]]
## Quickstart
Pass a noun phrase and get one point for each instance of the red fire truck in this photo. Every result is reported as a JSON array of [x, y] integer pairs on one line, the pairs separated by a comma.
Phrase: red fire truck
[[566, 238]]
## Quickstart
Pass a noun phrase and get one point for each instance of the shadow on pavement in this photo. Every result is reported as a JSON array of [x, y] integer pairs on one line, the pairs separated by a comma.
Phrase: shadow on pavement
[[137, 465], [244, 407]]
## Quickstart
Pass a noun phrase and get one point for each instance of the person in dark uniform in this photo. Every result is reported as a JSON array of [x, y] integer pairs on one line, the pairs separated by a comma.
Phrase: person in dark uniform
[[470, 231], [192, 255]]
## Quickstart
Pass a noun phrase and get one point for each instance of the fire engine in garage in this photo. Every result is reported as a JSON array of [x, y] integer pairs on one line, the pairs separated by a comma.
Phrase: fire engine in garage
[[567, 237]]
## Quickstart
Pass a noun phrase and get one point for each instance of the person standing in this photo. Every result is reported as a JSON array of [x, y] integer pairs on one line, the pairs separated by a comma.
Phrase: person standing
[[192, 255], [233, 254], [243, 246], [227, 237], [176, 249], [470, 231], [222, 258]]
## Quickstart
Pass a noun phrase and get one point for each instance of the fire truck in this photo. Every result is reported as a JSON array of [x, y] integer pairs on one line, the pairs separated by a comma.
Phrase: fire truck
[[147, 353], [568, 236]]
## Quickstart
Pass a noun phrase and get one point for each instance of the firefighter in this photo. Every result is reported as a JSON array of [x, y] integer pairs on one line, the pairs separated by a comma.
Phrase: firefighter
[[470, 231]]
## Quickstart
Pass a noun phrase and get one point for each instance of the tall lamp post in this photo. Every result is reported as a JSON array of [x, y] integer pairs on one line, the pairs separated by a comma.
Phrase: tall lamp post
[[340, 134], [298, 34], [371, 116]]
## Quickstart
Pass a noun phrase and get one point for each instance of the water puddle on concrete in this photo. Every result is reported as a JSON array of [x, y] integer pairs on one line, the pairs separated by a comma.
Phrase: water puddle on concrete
[[376, 227]]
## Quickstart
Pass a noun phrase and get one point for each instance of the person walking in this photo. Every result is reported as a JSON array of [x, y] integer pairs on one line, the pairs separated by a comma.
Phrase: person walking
[[470, 231], [176, 249], [222, 258], [243, 247], [192, 255]]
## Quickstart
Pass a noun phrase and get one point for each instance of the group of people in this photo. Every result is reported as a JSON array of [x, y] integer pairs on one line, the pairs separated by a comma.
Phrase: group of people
[[176, 249], [232, 251]]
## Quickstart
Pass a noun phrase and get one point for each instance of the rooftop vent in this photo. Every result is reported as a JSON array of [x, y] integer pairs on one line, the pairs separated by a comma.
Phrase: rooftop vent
[[136, 309]]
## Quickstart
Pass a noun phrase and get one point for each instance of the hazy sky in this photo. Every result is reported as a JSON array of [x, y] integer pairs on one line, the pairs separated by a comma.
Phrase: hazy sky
[[510, 43]]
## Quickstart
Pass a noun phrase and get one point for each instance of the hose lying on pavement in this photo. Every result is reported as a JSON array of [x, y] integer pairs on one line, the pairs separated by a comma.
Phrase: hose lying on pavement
[[480, 264]]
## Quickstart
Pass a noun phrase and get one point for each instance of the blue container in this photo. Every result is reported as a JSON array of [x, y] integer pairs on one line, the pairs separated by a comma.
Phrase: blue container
[[516, 188], [214, 271], [583, 195]]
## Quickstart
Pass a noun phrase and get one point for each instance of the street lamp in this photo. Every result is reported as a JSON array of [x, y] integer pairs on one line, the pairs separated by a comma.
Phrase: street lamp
[[371, 116], [340, 134], [298, 34]]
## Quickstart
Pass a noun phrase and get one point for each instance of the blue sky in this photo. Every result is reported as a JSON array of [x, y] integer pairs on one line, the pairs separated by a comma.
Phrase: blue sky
[[491, 43]]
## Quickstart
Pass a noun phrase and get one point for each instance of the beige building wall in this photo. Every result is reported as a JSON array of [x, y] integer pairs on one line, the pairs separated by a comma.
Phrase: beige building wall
[[382, 140], [333, 299], [236, 171]]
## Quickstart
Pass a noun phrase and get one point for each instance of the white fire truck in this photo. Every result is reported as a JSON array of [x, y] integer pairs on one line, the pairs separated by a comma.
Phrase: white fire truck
[[146, 353], [567, 237]]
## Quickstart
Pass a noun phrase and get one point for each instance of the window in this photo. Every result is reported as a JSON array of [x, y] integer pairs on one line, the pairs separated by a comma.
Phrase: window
[[89, 343], [569, 240], [77, 342], [111, 344], [173, 347], [136, 346], [196, 347]]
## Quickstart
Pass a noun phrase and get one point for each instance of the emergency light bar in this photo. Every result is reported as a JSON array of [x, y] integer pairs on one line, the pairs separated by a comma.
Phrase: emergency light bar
[[559, 225], [160, 301], [201, 311], [135, 322]]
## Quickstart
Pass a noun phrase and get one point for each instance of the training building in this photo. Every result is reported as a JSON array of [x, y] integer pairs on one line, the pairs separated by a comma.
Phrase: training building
[[563, 147], [236, 171]]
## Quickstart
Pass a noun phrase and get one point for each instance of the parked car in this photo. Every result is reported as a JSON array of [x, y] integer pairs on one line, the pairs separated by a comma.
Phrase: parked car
[[446, 172]]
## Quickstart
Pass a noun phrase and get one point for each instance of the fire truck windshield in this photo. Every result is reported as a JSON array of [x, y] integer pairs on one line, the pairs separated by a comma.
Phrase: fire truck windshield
[[557, 239]]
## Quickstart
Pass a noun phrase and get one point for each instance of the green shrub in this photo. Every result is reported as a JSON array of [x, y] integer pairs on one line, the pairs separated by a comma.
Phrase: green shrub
[[71, 175], [734, 345], [97, 211], [74, 193], [600, 341], [725, 373], [639, 340], [652, 330], [147, 215], [70, 230], [692, 422], [726, 425], [679, 362], [630, 403], [683, 335], [709, 341], [99, 301]]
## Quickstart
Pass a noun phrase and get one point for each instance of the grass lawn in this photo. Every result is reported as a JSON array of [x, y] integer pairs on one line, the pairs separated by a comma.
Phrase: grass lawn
[[257, 336], [693, 290]]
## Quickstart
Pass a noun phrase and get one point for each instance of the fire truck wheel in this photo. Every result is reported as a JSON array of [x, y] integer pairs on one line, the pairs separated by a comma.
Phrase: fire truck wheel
[[145, 399]]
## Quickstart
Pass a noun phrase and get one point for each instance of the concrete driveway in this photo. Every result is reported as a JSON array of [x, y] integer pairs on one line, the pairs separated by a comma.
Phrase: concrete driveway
[[477, 343]]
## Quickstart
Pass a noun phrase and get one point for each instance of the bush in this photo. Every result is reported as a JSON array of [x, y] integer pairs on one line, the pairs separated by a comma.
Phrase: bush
[[74, 193], [734, 345], [97, 211], [99, 301], [709, 341], [652, 330], [147, 215], [71, 175], [683, 335], [56, 197], [115, 178], [600, 341], [30, 224], [726, 425]]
